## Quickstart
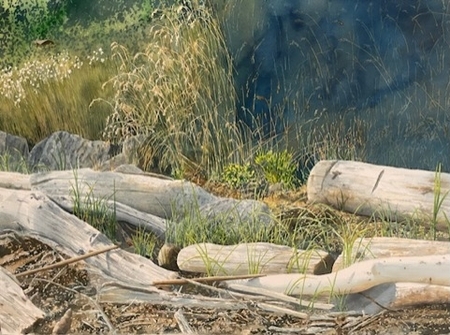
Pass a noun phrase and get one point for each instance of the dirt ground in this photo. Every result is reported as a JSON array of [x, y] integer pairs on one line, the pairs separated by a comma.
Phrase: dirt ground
[[55, 291]]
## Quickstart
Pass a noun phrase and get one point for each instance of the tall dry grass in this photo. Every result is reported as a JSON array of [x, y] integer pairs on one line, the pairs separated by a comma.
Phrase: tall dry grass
[[179, 93]]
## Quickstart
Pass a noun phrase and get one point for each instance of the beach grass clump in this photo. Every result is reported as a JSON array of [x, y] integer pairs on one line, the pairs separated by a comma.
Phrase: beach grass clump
[[179, 93]]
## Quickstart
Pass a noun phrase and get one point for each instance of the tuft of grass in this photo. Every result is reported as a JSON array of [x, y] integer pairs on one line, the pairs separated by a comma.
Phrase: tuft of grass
[[94, 211], [438, 200], [14, 163], [144, 243]]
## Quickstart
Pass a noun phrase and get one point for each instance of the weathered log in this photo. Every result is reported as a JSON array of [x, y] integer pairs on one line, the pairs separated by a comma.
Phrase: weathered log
[[360, 276], [384, 247], [249, 258], [31, 213], [383, 191], [15, 181], [17, 312], [169, 199], [146, 194]]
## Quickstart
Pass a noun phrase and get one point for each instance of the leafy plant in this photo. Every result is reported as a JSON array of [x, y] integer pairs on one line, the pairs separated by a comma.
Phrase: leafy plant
[[278, 167], [238, 175]]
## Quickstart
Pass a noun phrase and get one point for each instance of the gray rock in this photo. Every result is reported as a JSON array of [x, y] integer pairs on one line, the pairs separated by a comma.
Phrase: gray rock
[[65, 151], [13, 147], [129, 154], [128, 168], [130, 148]]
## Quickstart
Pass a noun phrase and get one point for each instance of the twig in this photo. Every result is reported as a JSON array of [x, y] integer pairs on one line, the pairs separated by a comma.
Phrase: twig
[[67, 261], [279, 296], [183, 281], [282, 310], [183, 324]]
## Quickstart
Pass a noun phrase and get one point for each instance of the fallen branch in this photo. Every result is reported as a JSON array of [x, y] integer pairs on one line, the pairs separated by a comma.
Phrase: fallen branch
[[68, 261]]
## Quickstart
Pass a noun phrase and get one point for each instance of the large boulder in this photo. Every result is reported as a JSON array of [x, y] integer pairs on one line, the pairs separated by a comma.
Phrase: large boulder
[[65, 151]]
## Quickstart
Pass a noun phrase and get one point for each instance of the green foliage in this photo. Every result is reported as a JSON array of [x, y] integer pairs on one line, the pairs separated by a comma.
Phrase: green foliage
[[25, 21], [93, 210], [278, 167], [238, 176], [144, 243]]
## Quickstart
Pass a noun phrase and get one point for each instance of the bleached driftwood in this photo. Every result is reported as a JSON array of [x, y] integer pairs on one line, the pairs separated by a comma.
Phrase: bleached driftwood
[[15, 181], [358, 277], [248, 258], [143, 193], [384, 191], [32, 214], [168, 199], [394, 295], [17, 312], [383, 247]]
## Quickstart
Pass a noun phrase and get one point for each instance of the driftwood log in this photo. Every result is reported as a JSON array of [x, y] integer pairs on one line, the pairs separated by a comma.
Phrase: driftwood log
[[361, 276], [247, 258], [17, 312], [39, 206], [384, 247], [382, 191], [145, 194]]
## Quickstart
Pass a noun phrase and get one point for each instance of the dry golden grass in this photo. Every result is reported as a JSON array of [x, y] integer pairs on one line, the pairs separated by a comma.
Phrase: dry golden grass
[[54, 93]]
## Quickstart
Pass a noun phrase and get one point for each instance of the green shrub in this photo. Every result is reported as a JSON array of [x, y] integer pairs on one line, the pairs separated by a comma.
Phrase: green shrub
[[238, 176], [278, 167]]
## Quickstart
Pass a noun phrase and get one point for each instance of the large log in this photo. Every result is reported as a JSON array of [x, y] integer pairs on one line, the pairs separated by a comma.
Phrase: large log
[[359, 277], [384, 191], [32, 214], [250, 258], [168, 199], [146, 194]]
